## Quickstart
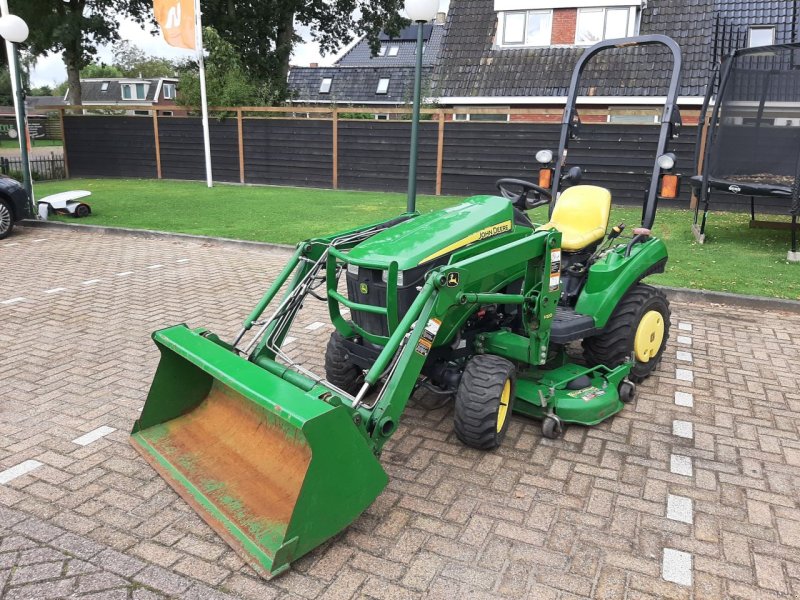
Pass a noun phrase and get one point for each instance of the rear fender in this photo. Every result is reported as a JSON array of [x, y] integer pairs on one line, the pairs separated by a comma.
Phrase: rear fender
[[610, 278]]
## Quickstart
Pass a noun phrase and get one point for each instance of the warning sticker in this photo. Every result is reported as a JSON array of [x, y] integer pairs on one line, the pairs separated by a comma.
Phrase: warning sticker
[[555, 269], [428, 336], [586, 394]]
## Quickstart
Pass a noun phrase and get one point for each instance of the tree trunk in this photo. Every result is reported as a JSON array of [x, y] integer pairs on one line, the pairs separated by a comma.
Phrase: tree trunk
[[284, 45], [74, 80]]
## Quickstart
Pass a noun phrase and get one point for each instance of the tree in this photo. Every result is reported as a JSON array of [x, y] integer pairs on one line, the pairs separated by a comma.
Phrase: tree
[[227, 81], [42, 90], [264, 32], [100, 71], [76, 28], [132, 61]]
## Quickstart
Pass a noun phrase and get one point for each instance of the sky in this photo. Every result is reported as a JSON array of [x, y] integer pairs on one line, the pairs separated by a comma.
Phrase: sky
[[50, 70]]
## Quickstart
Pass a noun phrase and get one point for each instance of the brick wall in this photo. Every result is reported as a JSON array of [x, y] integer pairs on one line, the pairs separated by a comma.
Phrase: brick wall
[[564, 22]]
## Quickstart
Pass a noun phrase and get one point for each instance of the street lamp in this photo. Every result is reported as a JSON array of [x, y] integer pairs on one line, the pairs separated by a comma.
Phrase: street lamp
[[420, 12], [15, 31]]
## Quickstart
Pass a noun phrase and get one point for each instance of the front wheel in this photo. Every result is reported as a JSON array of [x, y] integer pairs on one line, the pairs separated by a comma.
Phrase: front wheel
[[638, 327], [484, 401], [339, 370], [6, 220]]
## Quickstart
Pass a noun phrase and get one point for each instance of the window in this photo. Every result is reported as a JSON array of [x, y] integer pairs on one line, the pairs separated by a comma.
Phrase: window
[[382, 117], [142, 113], [527, 28], [134, 91], [325, 86], [382, 51], [481, 117], [597, 24], [104, 87], [761, 36], [393, 50], [167, 113], [383, 86], [169, 91]]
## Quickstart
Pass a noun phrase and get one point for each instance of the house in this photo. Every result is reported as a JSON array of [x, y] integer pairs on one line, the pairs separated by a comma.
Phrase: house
[[359, 78], [520, 53], [160, 93]]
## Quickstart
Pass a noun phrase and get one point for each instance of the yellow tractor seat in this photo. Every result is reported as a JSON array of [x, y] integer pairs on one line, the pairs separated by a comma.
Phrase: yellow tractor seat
[[581, 215]]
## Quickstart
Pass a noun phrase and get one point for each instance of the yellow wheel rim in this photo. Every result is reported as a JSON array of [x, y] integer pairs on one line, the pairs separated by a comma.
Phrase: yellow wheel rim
[[502, 411], [649, 336]]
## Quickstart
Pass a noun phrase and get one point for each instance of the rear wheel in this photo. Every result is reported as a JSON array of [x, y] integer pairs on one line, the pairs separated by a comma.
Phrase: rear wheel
[[639, 327], [338, 369], [6, 220], [82, 210], [484, 401]]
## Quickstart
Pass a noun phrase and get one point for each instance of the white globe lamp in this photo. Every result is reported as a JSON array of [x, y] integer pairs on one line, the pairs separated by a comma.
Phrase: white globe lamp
[[422, 11], [13, 29]]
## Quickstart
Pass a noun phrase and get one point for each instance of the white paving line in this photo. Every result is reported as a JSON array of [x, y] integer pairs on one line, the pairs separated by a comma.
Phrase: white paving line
[[183, 260], [10, 244], [14, 300], [156, 267], [676, 566], [684, 399], [685, 326], [93, 436], [683, 429], [314, 326], [18, 471], [681, 465], [91, 281], [39, 240], [679, 508], [684, 375], [124, 273], [55, 290], [288, 340], [684, 356], [685, 340]]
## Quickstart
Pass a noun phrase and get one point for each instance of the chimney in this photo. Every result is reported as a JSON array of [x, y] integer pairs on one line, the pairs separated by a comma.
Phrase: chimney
[[441, 18], [314, 65]]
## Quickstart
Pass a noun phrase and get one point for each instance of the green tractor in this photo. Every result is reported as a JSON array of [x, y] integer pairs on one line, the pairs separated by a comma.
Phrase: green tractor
[[473, 302]]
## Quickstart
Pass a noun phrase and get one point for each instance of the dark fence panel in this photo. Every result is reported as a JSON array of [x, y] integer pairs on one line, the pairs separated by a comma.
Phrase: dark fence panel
[[110, 146], [288, 152], [373, 155], [182, 153]]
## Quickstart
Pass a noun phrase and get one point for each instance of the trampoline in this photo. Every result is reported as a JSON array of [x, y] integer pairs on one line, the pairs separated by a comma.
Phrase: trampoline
[[752, 143]]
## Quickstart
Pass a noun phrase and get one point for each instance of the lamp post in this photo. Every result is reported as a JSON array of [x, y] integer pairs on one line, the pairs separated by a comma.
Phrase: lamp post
[[420, 12], [15, 31]]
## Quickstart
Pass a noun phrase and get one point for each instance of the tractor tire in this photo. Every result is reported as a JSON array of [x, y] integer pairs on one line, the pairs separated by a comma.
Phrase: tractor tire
[[338, 369], [6, 219], [484, 401], [641, 317]]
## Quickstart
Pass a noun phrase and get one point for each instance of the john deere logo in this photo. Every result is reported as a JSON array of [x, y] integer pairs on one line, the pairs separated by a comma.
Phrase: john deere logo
[[452, 280], [363, 288]]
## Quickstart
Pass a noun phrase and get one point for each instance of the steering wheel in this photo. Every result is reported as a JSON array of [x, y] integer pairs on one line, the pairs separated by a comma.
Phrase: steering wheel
[[521, 200]]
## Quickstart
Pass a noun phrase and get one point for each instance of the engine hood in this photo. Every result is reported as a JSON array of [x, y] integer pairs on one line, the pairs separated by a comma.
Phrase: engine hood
[[432, 235]]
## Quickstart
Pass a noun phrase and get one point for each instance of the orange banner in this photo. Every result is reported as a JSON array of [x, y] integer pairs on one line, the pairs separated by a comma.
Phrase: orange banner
[[176, 18]]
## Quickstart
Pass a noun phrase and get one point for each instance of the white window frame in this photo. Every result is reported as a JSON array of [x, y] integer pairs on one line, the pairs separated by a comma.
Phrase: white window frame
[[752, 28], [630, 29], [127, 87], [172, 88], [382, 116], [323, 88], [104, 86], [525, 43], [167, 113], [383, 89]]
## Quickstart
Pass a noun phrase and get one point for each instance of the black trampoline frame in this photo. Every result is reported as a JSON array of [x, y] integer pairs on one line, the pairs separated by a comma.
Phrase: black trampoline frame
[[706, 183]]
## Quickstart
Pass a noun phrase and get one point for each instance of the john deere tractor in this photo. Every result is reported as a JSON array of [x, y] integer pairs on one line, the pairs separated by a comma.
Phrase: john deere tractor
[[474, 303]]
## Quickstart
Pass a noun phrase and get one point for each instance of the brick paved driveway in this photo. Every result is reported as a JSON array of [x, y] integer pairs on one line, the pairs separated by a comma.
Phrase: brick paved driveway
[[691, 493]]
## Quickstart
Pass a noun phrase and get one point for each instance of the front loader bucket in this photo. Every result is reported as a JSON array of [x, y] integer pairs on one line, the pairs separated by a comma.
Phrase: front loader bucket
[[273, 469]]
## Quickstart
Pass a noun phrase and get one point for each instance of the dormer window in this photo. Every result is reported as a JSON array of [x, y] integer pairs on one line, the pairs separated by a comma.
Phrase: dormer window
[[761, 36], [527, 28], [382, 51], [393, 50], [134, 91], [169, 91], [383, 86], [325, 86], [597, 24], [104, 87]]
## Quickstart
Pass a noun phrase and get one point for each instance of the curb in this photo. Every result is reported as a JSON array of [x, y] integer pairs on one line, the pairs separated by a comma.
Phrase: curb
[[164, 235], [673, 293]]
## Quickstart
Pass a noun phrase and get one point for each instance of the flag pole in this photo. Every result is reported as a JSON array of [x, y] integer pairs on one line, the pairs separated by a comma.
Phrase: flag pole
[[198, 28]]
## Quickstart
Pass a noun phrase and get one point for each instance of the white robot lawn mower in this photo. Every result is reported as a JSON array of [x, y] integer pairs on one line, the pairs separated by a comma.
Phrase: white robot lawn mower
[[65, 203]]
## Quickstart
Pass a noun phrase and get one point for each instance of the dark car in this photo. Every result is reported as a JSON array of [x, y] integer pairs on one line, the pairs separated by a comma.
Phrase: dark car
[[14, 205]]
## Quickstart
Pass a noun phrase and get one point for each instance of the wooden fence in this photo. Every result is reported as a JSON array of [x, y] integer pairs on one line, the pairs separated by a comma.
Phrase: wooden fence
[[320, 147]]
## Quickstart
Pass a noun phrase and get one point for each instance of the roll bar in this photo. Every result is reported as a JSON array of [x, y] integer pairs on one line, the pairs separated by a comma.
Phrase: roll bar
[[670, 120]]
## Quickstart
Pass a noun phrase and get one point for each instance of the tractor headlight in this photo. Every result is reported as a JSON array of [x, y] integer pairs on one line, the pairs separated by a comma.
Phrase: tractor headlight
[[352, 269], [385, 277], [544, 157], [666, 162]]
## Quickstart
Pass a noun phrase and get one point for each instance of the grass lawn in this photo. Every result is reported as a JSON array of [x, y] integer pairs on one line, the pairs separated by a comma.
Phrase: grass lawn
[[735, 258], [34, 143]]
